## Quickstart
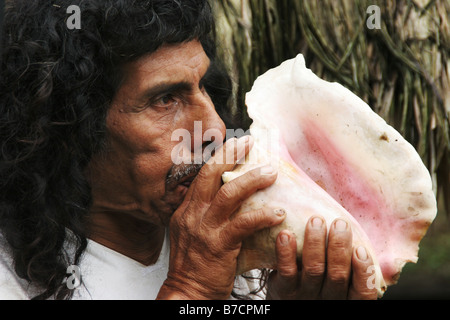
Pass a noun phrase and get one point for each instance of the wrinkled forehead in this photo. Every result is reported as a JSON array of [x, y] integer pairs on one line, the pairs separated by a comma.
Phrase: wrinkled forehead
[[171, 62]]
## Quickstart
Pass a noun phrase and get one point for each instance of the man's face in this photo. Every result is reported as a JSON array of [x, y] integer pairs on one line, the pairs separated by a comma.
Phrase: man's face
[[160, 93]]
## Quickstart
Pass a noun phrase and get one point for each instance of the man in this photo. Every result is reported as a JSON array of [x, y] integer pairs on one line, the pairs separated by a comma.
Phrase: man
[[91, 199]]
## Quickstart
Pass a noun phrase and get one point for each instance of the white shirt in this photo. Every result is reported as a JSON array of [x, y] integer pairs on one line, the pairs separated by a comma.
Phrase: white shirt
[[105, 274]]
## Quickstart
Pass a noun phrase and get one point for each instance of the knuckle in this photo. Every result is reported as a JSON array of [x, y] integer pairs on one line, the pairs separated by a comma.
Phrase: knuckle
[[255, 178], [338, 276], [262, 218], [254, 174], [177, 221], [224, 237], [315, 242], [231, 190], [234, 190], [249, 220], [258, 213], [246, 223], [315, 270], [228, 240], [340, 243], [227, 192], [340, 250], [288, 271], [182, 223]]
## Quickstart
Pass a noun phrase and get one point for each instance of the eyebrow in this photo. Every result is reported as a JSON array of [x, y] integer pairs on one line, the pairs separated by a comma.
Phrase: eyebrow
[[166, 87], [170, 87]]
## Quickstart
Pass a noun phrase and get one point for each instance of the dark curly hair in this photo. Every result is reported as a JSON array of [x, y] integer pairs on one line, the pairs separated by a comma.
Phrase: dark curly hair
[[56, 85]]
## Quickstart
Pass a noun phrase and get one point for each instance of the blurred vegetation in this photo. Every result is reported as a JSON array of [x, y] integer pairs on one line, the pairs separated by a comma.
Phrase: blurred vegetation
[[429, 278], [402, 69]]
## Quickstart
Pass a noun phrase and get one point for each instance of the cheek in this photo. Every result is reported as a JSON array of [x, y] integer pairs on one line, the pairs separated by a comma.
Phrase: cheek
[[140, 135], [148, 162], [153, 166], [143, 148]]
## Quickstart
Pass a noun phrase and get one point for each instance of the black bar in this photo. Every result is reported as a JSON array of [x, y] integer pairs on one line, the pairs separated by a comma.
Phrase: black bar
[[2, 13]]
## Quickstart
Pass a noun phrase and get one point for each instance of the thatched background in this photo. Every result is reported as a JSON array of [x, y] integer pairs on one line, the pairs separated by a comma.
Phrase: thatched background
[[402, 70]]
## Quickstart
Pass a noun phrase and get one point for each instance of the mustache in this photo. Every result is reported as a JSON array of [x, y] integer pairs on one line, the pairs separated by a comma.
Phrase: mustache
[[185, 171], [181, 172]]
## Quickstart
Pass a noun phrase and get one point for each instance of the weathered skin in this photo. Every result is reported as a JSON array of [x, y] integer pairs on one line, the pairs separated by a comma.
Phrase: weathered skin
[[336, 158]]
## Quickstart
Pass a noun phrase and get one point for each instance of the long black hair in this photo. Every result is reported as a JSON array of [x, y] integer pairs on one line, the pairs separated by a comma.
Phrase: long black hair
[[56, 85]]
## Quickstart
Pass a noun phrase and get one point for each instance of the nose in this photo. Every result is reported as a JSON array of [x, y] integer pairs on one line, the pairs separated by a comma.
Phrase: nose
[[208, 126]]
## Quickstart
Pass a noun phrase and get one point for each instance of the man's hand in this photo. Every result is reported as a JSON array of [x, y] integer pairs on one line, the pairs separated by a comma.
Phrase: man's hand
[[333, 271], [205, 232]]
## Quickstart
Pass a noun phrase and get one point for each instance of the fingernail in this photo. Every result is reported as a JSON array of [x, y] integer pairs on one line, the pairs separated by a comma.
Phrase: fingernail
[[361, 253], [280, 212], [317, 223], [284, 239], [340, 225], [267, 170]]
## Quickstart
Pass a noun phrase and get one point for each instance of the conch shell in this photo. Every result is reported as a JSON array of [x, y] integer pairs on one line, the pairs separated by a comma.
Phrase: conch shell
[[335, 158]]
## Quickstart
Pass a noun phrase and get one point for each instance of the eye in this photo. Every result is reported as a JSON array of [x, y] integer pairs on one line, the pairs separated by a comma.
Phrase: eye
[[203, 90], [166, 101]]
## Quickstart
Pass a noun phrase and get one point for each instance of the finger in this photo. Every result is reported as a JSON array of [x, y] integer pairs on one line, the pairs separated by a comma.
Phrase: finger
[[231, 195], [363, 276], [313, 257], [187, 198], [339, 256], [245, 224], [286, 277], [209, 179]]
